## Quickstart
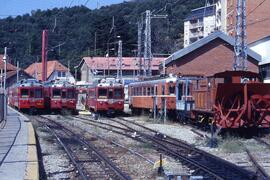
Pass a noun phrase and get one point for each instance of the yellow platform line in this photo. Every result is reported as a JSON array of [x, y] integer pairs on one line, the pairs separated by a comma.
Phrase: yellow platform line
[[32, 167]]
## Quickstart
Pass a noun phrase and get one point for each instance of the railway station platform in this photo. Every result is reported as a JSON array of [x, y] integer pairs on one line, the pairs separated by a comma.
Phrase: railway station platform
[[18, 152]]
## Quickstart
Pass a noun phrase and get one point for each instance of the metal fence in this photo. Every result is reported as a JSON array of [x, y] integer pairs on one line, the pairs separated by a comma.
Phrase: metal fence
[[1, 106]]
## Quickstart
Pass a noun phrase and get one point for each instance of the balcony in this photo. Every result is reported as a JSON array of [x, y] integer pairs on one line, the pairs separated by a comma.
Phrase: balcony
[[196, 25], [195, 35]]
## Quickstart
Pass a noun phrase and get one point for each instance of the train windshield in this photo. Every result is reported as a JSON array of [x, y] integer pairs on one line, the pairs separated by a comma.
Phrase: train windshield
[[110, 95], [102, 93], [70, 94], [24, 93], [38, 93], [118, 93], [56, 93]]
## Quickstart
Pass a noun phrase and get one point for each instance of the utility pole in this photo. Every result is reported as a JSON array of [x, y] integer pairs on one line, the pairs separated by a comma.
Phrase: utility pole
[[44, 54], [240, 46], [119, 63], [95, 45], [5, 79], [139, 54], [18, 71]]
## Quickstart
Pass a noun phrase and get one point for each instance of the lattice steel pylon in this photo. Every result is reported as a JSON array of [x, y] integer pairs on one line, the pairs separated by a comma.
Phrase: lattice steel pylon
[[240, 47], [139, 54], [120, 59], [147, 45]]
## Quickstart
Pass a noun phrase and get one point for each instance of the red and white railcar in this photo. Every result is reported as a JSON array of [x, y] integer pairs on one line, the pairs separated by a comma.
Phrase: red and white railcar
[[27, 95], [106, 96], [59, 96]]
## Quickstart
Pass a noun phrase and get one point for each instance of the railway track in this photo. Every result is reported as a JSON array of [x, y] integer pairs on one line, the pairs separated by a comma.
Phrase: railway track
[[89, 161], [200, 162], [261, 174]]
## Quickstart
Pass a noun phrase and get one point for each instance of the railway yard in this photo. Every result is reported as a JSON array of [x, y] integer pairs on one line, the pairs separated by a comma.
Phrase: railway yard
[[130, 148], [196, 106]]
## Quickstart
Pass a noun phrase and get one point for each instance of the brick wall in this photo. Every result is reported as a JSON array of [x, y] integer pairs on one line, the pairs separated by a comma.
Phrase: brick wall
[[216, 56], [258, 21]]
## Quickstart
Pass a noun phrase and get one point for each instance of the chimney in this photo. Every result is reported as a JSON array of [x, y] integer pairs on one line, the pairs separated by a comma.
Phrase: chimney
[[44, 54]]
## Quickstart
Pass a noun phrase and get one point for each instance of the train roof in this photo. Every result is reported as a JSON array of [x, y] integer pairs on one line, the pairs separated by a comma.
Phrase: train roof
[[153, 81], [243, 74], [58, 83], [29, 83], [108, 82]]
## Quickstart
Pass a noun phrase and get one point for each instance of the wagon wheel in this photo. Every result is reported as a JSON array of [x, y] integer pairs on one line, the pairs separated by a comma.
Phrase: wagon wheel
[[228, 114]]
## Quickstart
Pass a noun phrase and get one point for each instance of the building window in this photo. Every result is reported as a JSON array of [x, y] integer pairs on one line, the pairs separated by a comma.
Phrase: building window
[[63, 74], [59, 74]]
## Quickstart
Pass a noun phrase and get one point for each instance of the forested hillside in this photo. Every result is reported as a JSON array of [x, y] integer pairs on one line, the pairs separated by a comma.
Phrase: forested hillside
[[76, 28]]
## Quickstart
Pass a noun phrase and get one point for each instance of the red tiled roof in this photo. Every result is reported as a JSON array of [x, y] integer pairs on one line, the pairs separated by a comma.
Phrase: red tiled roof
[[10, 67], [129, 63], [51, 67]]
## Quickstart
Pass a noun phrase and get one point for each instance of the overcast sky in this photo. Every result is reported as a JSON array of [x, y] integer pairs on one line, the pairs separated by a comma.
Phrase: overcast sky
[[19, 7]]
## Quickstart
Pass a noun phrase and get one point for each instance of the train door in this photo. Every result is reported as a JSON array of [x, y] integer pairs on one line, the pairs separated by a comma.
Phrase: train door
[[184, 100]]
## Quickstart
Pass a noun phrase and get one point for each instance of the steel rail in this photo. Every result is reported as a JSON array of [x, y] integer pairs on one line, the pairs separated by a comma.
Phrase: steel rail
[[69, 153], [261, 172], [115, 143], [177, 142], [262, 142], [159, 143], [100, 155]]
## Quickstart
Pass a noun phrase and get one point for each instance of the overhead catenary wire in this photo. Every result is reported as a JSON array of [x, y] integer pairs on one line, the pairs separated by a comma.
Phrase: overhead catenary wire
[[261, 3]]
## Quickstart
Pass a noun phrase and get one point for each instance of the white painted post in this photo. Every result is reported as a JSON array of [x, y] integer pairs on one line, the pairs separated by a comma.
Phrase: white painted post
[[5, 78]]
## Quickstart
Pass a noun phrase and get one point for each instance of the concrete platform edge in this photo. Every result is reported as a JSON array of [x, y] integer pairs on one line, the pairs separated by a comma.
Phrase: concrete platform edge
[[32, 167]]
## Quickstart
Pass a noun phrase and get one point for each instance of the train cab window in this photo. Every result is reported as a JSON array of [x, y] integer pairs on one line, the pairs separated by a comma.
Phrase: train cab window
[[38, 93], [31, 93], [171, 89], [118, 93], [24, 92], [70, 94], [56, 93], [180, 91], [64, 94], [110, 95], [102, 93]]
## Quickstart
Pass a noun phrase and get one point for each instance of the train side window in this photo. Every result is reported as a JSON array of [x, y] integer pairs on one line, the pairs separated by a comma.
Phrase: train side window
[[145, 91], [38, 93], [180, 91], [24, 92], [148, 91], [163, 89], [117, 93], [152, 90]]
